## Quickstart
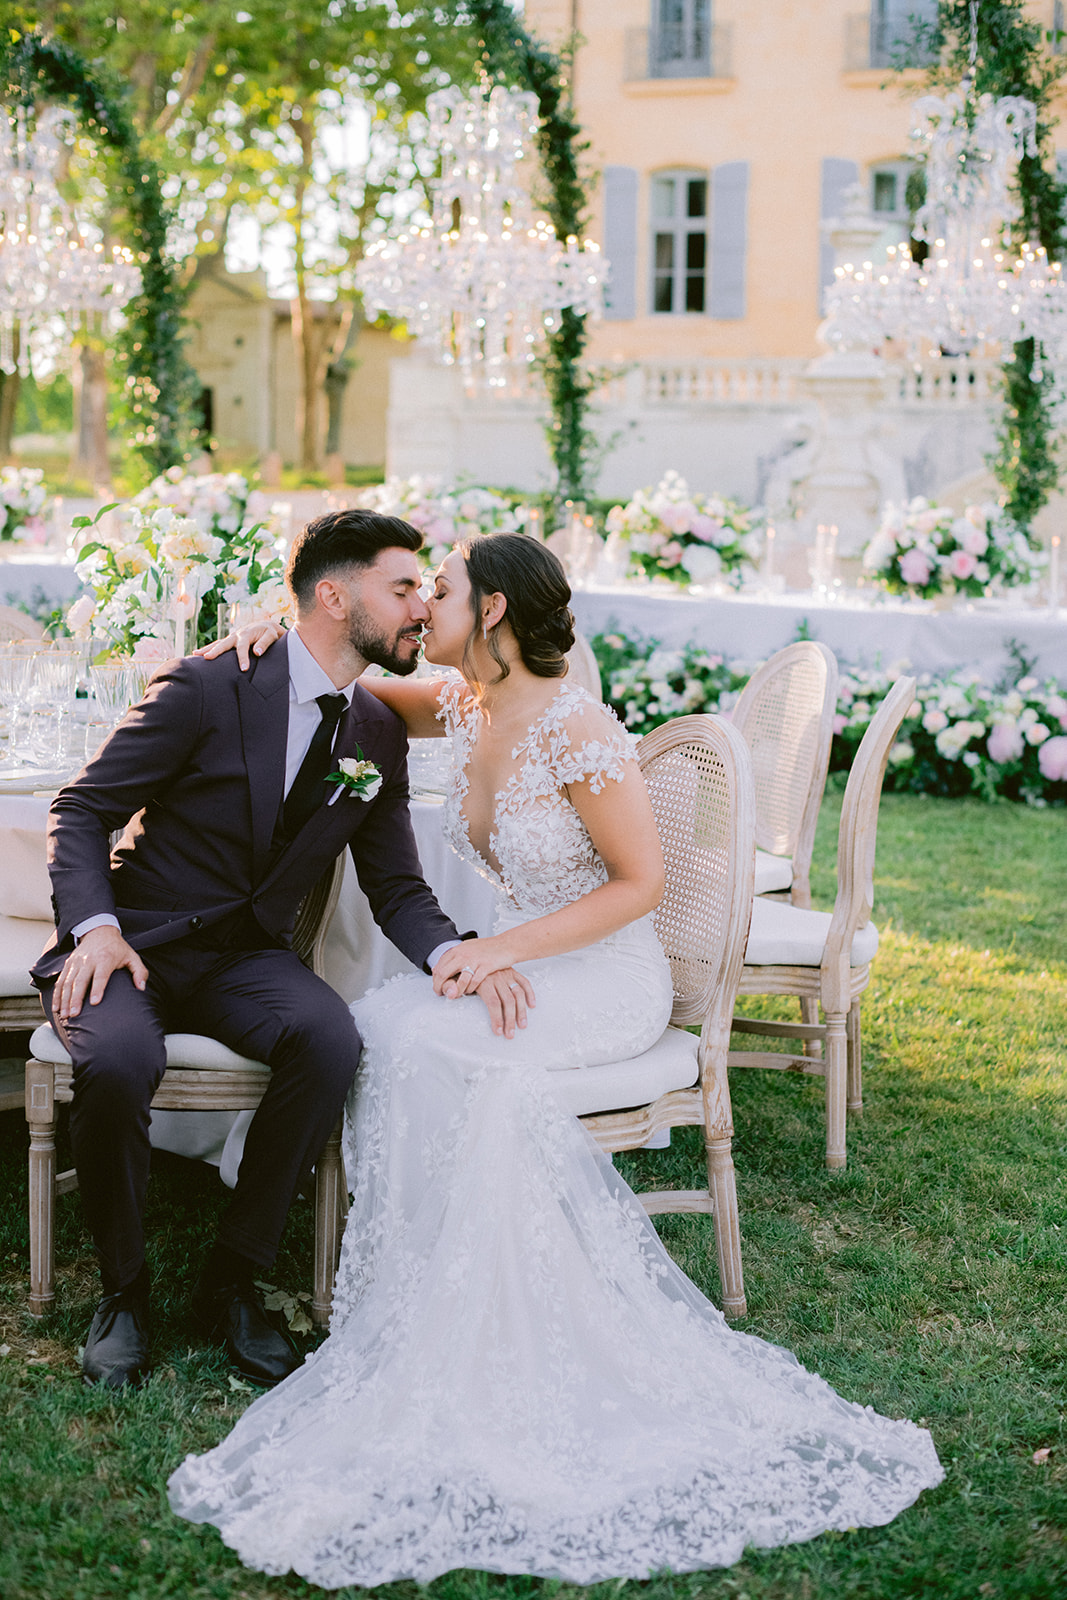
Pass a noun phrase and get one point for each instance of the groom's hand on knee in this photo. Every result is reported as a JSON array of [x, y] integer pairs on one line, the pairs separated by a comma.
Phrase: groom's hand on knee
[[88, 970]]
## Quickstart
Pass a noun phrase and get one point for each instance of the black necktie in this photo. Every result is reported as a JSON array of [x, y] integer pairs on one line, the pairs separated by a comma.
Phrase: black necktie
[[308, 791]]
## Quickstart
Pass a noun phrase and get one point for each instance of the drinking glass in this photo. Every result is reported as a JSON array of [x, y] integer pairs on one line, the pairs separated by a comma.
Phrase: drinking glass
[[54, 701], [18, 678], [112, 690]]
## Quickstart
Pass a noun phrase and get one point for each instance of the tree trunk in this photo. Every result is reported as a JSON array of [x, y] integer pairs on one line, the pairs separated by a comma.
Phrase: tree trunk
[[9, 399], [90, 419], [338, 371], [309, 341]]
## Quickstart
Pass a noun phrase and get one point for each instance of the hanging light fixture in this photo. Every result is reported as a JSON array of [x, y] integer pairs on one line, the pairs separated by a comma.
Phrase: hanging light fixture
[[972, 291], [49, 268], [487, 280]]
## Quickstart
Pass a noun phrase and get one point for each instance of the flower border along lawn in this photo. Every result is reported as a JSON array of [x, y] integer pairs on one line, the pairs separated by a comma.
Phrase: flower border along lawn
[[929, 1279]]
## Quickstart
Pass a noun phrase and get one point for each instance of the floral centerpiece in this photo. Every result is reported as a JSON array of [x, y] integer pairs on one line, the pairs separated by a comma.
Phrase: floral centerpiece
[[442, 513], [23, 498], [689, 538], [928, 550], [149, 570], [220, 545]]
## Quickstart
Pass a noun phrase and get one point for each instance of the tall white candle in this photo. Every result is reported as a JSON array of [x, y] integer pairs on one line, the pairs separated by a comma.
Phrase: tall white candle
[[831, 566], [768, 554]]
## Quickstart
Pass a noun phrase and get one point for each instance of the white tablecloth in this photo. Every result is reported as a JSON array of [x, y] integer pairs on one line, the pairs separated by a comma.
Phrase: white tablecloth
[[27, 575], [358, 956], [748, 629]]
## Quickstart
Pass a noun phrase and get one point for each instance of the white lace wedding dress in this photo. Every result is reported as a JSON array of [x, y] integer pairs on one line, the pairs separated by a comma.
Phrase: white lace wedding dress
[[518, 1378]]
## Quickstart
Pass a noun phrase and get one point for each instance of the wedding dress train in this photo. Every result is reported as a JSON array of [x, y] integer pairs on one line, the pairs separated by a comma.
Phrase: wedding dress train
[[518, 1378]]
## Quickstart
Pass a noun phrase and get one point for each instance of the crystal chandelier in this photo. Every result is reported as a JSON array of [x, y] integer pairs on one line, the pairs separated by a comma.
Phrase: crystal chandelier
[[971, 291], [486, 281], [49, 269]]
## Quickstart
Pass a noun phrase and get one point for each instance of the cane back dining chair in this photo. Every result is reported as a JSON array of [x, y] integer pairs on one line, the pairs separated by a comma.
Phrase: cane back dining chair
[[201, 1075], [700, 782], [823, 956], [786, 714], [16, 625]]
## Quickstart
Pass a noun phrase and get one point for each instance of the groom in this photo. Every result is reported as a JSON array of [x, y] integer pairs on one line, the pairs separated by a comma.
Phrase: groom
[[220, 779]]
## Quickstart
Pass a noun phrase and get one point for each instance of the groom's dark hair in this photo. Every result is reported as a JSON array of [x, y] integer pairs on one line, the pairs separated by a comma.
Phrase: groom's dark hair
[[343, 539]]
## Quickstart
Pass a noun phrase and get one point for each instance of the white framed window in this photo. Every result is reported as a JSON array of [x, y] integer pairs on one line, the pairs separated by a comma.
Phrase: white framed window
[[889, 191], [679, 206], [681, 38]]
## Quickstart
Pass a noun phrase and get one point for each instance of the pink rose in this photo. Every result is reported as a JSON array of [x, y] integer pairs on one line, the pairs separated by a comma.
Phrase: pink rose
[[962, 564], [915, 568], [975, 541], [840, 723], [928, 520], [677, 517], [1052, 759], [704, 528], [1005, 742], [670, 553]]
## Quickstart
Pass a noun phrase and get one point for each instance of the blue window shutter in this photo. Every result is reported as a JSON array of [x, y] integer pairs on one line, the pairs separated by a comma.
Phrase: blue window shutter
[[620, 242], [729, 240], [837, 176]]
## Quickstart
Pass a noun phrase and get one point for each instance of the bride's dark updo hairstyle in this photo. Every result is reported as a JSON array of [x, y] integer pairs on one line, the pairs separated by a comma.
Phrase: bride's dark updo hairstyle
[[534, 584]]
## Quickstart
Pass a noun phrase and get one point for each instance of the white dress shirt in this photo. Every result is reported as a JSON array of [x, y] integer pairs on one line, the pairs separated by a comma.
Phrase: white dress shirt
[[307, 680]]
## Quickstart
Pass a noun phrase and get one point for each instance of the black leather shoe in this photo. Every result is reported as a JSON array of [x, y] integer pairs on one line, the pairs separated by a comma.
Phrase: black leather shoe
[[233, 1313], [116, 1349]]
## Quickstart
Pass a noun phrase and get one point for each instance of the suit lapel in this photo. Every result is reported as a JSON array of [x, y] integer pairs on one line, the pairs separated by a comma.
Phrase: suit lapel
[[263, 703]]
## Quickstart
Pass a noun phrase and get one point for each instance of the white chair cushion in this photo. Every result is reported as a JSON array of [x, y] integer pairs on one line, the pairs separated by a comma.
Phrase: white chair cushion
[[773, 873], [670, 1064], [183, 1050], [782, 935], [21, 942]]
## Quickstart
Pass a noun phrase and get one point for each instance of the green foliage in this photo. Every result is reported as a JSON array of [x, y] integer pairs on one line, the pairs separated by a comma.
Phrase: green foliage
[[513, 55], [160, 385], [45, 407], [1013, 60]]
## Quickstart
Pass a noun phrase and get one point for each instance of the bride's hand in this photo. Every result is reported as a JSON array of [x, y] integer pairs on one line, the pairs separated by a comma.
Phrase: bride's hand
[[483, 967], [254, 636]]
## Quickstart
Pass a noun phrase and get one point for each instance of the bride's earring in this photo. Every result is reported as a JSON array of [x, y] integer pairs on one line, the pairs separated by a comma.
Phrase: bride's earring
[[485, 630]]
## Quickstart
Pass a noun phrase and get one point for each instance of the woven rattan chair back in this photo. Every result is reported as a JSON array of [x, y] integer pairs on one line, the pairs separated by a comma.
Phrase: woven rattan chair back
[[698, 775], [16, 625], [786, 713], [858, 833], [582, 665]]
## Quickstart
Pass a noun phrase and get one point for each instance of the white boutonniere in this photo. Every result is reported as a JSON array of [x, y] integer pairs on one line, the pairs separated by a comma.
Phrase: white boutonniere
[[358, 775]]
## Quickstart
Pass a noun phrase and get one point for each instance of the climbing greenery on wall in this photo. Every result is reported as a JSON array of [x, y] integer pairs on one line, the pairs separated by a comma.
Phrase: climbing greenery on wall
[[1014, 58], [512, 56], [160, 386]]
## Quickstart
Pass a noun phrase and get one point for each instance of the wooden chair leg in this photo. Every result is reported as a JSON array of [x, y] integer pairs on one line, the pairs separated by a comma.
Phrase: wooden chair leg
[[722, 1187], [836, 1072], [41, 1114], [809, 1013], [855, 1059], [331, 1205]]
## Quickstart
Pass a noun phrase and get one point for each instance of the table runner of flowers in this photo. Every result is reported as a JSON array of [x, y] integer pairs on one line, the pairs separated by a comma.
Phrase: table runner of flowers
[[962, 736]]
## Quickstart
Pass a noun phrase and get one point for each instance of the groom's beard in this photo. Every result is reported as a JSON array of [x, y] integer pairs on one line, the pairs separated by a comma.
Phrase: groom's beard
[[373, 645]]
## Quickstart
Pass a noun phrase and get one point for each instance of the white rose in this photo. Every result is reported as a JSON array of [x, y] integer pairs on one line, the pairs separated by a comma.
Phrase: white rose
[[81, 613], [1036, 733]]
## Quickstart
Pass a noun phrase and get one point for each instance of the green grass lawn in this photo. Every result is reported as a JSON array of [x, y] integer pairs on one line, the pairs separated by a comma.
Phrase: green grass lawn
[[928, 1280]]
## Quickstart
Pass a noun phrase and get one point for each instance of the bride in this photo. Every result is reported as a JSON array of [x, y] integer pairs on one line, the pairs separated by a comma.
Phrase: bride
[[518, 1378]]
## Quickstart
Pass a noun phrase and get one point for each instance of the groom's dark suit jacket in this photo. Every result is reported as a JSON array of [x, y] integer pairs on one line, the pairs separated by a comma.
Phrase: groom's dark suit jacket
[[199, 767]]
